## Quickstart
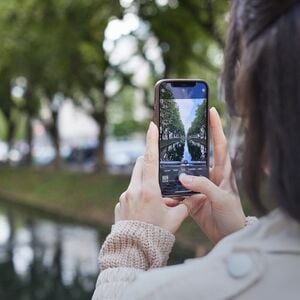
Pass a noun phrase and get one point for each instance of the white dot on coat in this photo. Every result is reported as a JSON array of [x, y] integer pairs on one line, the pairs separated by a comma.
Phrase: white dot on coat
[[239, 265]]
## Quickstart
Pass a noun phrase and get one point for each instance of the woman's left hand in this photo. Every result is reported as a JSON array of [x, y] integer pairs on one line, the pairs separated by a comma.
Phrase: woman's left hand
[[142, 201]]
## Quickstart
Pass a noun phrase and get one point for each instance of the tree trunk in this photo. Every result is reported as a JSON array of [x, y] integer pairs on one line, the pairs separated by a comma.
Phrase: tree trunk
[[30, 110], [101, 120], [53, 131], [10, 132], [29, 135], [11, 237]]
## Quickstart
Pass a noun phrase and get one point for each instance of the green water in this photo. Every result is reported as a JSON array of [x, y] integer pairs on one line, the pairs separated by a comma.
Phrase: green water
[[42, 257]]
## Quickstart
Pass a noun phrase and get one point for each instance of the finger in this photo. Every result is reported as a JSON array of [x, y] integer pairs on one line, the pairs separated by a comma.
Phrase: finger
[[201, 185], [210, 171], [195, 203], [117, 212], [195, 197], [137, 174], [180, 212], [150, 166], [218, 137], [179, 199], [171, 202], [122, 198]]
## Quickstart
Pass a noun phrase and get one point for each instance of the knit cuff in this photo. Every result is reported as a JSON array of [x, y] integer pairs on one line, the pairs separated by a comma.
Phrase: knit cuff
[[135, 244]]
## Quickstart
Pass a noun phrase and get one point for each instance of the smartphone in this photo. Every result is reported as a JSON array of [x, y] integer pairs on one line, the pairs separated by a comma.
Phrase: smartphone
[[181, 114]]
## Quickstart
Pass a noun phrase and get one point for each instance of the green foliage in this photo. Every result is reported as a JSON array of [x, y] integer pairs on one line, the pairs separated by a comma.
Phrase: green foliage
[[2, 126], [121, 113], [171, 126], [191, 36], [57, 45], [127, 127], [199, 123]]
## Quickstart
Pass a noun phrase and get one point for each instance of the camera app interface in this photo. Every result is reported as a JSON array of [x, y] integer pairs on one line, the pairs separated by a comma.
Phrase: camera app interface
[[183, 134]]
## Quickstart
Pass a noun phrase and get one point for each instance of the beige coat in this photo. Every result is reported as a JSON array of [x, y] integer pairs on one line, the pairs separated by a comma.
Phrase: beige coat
[[261, 261]]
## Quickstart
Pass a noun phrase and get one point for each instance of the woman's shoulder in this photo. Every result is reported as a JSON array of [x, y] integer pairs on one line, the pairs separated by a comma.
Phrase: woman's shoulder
[[246, 264]]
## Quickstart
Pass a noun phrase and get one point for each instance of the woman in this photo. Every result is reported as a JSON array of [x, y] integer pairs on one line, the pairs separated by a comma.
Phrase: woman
[[261, 261]]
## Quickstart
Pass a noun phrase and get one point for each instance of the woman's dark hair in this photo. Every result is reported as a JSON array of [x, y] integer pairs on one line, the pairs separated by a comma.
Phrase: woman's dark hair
[[262, 85]]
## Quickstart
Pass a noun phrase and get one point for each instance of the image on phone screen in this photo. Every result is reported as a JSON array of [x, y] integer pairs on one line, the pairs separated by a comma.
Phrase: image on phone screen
[[183, 135]]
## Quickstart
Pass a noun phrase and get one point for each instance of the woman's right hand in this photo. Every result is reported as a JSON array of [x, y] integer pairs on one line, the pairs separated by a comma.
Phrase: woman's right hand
[[217, 210]]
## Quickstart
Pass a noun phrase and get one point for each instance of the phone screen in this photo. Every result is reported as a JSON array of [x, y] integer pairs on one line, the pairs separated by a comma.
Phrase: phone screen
[[183, 133]]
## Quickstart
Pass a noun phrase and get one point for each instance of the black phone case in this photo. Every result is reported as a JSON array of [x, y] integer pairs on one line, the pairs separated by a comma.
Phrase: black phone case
[[156, 121]]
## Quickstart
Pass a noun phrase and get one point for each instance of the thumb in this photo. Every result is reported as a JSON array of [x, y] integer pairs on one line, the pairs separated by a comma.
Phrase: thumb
[[176, 217], [178, 214], [194, 203], [200, 184]]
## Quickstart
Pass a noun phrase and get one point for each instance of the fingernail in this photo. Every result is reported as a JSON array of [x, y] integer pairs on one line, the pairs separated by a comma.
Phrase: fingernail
[[184, 178], [151, 126]]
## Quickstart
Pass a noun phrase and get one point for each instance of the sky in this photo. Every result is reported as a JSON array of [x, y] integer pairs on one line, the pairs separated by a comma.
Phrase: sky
[[187, 110]]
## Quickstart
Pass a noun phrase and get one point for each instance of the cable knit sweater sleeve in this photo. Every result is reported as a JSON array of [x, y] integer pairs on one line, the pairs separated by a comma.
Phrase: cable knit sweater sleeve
[[132, 247]]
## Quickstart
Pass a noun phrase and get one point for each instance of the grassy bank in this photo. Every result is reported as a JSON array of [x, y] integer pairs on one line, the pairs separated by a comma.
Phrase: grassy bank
[[90, 198], [86, 198]]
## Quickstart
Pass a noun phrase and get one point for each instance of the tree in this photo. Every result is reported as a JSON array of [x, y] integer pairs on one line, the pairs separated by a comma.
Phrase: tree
[[189, 36], [58, 46], [197, 129], [7, 105], [68, 57], [186, 31], [171, 126]]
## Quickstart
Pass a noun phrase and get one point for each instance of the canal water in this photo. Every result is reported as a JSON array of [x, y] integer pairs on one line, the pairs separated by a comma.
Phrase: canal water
[[188, 150], [186, 153], [42, 257]]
